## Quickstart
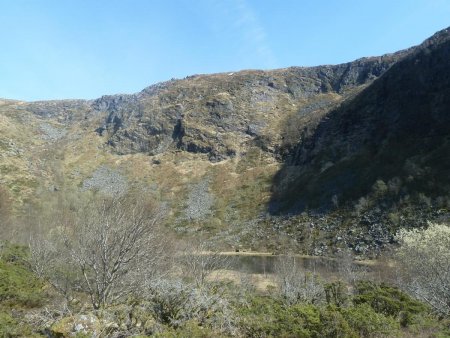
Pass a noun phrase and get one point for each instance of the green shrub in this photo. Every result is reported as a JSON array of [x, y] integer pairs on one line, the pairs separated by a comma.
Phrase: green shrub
[[189, 329], [444, 329], [389, 301], [334, 325], [13, 253], [429, 326], [18, 285], [368, 323], [268, 317], [336, 293], [10, 327]]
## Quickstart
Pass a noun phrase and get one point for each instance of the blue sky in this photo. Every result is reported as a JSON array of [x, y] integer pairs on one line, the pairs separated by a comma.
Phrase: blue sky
[[55, 49]]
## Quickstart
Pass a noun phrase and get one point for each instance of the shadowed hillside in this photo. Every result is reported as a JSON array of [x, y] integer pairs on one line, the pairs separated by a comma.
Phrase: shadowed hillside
[[393, 136]]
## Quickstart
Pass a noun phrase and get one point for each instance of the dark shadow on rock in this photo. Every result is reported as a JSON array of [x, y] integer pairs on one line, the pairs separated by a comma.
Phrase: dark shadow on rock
[[398, 128]]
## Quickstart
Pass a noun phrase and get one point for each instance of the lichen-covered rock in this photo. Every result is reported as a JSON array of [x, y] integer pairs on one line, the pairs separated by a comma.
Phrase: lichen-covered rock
[[86, 324]]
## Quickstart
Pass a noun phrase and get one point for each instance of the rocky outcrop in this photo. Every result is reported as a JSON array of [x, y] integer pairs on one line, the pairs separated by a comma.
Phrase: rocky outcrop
[[216, 114], [219, 115], [62, 110]]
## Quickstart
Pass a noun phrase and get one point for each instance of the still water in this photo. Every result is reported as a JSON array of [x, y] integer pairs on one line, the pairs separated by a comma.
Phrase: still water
[[266, 264]]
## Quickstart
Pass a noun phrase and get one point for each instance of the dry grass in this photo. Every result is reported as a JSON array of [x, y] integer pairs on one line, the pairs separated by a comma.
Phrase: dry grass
[[262, 283]]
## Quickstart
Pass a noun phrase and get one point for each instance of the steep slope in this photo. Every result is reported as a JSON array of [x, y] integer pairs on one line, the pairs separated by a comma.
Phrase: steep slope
[[214, 114], [390, 142], [217, 150], [214, 117], [218, 114]]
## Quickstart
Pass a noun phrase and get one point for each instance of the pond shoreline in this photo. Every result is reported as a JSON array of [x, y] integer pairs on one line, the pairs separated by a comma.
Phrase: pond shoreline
[[363, 262]]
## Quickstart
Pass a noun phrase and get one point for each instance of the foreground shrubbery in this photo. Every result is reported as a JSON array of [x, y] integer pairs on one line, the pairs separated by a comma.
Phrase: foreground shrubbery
[[103, 271], [369, 314], [20, 291], [178, 307], [18, 285]]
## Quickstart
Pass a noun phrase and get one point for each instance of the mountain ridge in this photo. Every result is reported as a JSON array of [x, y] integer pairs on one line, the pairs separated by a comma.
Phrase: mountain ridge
[[298, 82], [379, 115], [241, 156]]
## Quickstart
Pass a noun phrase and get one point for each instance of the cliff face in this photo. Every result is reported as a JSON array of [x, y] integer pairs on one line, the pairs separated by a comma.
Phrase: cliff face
[[218, 115]]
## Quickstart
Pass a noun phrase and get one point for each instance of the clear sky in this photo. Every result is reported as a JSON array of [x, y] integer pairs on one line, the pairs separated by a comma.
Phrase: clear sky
[[56, 49]]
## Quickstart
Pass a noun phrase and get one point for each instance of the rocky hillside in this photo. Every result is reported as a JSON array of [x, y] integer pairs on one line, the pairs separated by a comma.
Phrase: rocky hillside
[[393, 137], [217, 114], [226, 152]]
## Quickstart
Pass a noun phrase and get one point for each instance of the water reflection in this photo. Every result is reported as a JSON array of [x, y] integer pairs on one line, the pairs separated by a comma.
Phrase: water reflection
[[266, 264]]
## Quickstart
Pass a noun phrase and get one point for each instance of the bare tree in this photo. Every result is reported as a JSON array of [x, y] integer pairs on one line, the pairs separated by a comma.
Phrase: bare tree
[[177, 298], [296, 284], [198, 260], [176, 301], [347, 269], [424, 262], [109, 249], [51, 263]]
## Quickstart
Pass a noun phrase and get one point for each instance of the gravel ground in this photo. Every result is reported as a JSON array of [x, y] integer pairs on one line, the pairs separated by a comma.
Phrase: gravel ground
[[108, 181]]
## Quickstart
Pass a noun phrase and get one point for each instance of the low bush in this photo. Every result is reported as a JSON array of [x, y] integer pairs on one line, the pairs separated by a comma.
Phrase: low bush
[[336, 293], [18, 285], [11, 327], [389, 301], [369, 323], [268, 317]]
